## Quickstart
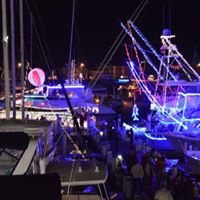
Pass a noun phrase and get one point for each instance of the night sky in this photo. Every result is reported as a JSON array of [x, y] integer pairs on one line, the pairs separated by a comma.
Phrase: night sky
[[97, 25]]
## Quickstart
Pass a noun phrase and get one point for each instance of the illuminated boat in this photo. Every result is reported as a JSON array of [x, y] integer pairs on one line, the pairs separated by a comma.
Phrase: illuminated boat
[[174, 99], [192, 161], [51, 98], [176, 80]]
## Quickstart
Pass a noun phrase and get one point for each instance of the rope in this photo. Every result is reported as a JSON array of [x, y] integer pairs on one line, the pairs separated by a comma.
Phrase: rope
[[137, 56], [39, 40], [104, 63], [151, 48], [182, 58]]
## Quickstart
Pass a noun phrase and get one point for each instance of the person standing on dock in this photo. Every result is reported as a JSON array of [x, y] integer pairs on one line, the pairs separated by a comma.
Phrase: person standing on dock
[[130, 135], [82, 115], [137, 173], [160, 169], [163, 193]]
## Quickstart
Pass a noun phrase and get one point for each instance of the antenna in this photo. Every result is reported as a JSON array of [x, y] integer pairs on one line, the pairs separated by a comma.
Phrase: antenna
[[71, 41], [167, 14]]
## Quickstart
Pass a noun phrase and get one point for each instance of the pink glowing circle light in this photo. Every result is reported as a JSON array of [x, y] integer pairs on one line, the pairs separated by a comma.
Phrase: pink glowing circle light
[[36, 77]]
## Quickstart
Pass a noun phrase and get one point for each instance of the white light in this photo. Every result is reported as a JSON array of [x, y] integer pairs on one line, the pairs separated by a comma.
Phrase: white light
[[82, 65], [101, 133], [19, 65], [120, 157], [6, 39]]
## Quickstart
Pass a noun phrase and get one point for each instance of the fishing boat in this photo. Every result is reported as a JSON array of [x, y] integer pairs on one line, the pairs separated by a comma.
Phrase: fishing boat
[[174, 96]]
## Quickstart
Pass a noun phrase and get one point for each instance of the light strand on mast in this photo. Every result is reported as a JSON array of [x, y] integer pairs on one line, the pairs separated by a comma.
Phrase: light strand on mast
[[181, 56], [140, 48], [151, 48], [136, 54], [151, 98]]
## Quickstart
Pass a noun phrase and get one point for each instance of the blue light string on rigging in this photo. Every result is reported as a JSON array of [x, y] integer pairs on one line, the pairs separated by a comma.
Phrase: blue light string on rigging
[[140, 48], [181, 56], [151, 48], [152, 98], [145, 89]]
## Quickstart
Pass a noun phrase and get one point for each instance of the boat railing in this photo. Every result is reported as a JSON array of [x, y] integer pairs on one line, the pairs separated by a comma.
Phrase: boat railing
[[25, 143]]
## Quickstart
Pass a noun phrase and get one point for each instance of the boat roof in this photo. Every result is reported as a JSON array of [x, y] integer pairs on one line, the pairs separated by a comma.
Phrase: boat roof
[[31, 127], [179, 83], [79, 172]]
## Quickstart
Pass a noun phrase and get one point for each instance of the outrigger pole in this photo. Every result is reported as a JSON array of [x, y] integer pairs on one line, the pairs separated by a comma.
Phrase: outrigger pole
[[71, 41], [80, 140]]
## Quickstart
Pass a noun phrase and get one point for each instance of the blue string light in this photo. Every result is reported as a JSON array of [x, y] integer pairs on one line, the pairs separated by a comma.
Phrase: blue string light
[[141, 50], [151, 98], [152, 49]]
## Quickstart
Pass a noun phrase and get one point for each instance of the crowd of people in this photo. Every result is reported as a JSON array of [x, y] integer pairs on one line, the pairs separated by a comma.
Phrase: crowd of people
[[143, 173], [149, 179]]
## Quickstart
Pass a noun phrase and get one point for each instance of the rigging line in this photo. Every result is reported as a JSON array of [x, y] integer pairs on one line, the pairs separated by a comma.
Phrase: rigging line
[[70, 177], [71, 40], [124, 34], [119, 41], [103, 64], [40, 43], [181, 56], [116, 40], [150, 96], [150, 47], [136, 52], [39, 40], [140, 48]]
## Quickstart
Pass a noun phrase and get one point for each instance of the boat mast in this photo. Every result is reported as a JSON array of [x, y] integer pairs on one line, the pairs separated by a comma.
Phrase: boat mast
[[31, 40], [71, 41], [5, 59], [22, 53], [13, 63]]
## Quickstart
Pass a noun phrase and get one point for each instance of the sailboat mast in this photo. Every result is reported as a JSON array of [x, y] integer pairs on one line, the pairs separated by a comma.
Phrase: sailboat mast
[[71, 41], [31, 39], [13, 63], [5, 59], [22, 53]]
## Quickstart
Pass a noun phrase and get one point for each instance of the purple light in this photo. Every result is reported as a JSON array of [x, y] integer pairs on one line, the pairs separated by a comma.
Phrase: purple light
[[66, 86], [155, 138]]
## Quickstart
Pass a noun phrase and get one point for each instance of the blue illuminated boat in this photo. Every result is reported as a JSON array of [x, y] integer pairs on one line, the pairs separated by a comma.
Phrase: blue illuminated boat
[[51, 98], [176, 80], [175, 96]]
